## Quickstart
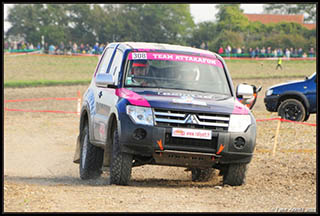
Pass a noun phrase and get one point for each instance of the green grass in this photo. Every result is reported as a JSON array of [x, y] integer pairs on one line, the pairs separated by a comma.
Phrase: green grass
[[37, 70], [34, 68], [20, 84]]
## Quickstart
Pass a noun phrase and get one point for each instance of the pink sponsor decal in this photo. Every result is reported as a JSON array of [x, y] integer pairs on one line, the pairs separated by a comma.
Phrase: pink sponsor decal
[[132, 97], [174, 57], [239, 108]]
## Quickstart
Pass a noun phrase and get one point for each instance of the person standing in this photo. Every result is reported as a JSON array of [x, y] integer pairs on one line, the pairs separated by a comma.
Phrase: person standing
[[61, 48], [279, 63], [69, 48], [74, 48]]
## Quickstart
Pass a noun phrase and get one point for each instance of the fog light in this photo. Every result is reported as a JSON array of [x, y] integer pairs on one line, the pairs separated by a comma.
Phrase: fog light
[[139, 134], [239, 143]]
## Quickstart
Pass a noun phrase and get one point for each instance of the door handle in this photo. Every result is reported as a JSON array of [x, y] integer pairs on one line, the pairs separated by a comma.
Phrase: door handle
[[100, 94]]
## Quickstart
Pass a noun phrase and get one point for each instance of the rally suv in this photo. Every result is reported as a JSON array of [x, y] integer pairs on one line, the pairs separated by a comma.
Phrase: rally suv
[[295, 100], [163, 104]]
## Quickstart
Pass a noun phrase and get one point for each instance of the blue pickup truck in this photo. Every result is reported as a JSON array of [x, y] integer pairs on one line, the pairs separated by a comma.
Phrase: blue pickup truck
[[162, 104], [295, 100]]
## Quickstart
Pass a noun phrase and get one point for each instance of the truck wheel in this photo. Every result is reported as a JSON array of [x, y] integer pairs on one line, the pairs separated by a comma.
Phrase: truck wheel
[[121, 163], [292, 109], [307, 117], [202, 175], [91, 157], [234, 174]]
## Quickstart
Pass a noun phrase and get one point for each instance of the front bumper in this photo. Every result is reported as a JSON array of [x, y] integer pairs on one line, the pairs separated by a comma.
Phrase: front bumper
[[158, 141], [271, 103]]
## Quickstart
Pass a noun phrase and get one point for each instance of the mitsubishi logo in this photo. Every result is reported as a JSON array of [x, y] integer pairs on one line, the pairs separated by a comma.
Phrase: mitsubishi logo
[[192, 119]]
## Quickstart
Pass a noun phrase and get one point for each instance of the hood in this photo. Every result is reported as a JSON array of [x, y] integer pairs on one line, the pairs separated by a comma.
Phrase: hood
[[292, 85], [185, 100]]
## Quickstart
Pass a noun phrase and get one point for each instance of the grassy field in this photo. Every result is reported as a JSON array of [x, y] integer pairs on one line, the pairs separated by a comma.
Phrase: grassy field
[[257, 69], [44, 70]]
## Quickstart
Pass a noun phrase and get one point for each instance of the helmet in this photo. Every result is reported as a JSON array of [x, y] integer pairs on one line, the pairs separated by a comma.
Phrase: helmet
[[139, 65]]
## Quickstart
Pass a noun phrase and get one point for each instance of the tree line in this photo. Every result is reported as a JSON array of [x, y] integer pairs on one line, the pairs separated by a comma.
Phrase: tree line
[[162, 23]]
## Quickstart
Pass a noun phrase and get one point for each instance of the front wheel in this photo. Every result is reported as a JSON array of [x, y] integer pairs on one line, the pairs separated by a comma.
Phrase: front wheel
[[293, 110], [121, 163], [91, 157], [234, 174]]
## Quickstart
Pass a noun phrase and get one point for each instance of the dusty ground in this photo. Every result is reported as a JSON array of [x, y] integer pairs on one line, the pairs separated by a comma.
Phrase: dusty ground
[[39, 175]]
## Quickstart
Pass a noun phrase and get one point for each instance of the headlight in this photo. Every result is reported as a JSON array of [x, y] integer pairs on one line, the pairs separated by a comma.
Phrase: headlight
[[239, 123], [269, 92], [140, 115]]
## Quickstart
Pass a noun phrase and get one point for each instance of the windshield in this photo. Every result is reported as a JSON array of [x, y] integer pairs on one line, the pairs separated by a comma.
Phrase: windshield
[[176, 71]]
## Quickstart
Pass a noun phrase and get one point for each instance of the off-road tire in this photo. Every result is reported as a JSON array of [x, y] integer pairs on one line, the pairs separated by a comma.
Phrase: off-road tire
[[121, 163], [234, 174], [293, 110], [307, 117], [202, 175], [91, 157]]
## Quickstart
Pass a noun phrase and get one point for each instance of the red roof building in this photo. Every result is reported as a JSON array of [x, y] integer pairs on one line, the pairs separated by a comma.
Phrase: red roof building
[[276, 18]]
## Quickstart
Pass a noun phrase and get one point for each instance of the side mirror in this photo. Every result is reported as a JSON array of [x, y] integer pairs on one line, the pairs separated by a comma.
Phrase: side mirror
[[246, 95], [244, 91], [105, 80]]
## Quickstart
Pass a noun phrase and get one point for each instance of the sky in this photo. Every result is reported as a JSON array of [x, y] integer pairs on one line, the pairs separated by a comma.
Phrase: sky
[[200, 12], [207, 12]]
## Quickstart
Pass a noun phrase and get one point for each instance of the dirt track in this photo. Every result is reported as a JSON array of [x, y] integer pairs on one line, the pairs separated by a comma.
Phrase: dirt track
[[39, 175]]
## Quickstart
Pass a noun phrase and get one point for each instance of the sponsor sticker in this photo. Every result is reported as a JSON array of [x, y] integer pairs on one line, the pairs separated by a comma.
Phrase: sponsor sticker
[[191, 133], [139, 55], [189, 100], [174, 57]]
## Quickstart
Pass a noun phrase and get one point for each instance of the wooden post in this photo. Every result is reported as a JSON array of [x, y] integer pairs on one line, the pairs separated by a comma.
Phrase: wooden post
[[276, 138]]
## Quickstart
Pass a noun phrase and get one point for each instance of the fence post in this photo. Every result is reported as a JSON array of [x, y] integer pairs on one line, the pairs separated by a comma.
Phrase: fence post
[[276, 138]]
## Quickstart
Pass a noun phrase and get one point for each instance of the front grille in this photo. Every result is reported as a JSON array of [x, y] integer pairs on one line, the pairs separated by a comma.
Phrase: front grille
[[190, 144], [185, 119]]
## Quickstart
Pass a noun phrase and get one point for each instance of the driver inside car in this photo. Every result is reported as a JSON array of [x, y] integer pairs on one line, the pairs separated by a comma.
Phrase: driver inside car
[[139, 69]]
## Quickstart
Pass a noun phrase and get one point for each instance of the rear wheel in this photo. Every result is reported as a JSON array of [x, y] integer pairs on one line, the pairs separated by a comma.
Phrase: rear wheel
[[121, 163], [234, 174], [202, 175], [293, 110], [91, 157]]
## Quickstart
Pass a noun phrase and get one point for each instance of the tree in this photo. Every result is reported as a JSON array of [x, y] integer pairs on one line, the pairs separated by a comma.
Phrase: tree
[[203, 32], [166, 23], [80, 23], [34, 20], [24, 21], [230, 17], [308, 10], [225, 38]]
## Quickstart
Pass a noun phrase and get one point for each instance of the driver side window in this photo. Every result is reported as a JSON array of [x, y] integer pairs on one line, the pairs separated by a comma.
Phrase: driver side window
[[105, 61], [116, 64]]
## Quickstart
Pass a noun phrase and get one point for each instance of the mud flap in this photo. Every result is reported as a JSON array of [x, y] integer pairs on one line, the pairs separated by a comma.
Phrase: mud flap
[[76, 158]]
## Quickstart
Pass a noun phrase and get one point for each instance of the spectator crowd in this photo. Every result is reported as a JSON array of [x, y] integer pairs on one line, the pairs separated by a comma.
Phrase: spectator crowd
[[60, 49], [265, 52], [72, 48]]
